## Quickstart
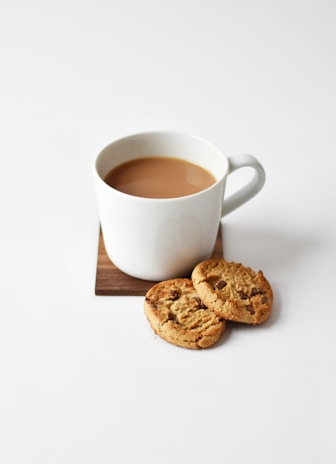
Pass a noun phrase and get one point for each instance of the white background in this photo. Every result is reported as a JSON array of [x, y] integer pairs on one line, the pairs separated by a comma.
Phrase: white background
[[83, 379]]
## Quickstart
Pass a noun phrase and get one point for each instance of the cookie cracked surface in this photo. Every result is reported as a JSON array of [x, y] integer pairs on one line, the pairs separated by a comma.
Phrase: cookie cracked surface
[[234, 292], [177, 314]]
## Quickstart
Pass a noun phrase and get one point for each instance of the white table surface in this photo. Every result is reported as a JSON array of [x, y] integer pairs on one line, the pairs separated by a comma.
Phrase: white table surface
[[83, 378]]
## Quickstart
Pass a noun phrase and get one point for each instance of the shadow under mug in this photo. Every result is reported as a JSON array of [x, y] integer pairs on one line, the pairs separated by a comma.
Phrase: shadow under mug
[[163, 238]]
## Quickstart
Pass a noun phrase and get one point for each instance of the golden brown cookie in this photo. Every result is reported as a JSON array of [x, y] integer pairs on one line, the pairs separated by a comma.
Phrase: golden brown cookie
[[176, 313], [234, 292]]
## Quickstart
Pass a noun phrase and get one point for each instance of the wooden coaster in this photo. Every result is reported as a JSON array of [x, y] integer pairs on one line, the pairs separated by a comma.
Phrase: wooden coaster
[[110, 281]]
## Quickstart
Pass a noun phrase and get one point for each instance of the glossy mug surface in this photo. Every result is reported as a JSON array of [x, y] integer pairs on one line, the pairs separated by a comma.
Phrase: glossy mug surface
[[161, 238]]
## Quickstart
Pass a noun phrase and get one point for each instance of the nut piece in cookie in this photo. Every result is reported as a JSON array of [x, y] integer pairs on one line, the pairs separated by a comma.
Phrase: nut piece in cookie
[[234, 292], [177, 314]]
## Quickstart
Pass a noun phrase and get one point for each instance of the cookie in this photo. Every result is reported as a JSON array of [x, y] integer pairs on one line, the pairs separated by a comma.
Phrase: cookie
[[234, 292], [176, 313]]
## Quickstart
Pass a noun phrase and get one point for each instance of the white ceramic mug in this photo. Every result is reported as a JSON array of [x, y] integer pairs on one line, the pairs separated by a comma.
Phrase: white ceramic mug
[[158, 239]]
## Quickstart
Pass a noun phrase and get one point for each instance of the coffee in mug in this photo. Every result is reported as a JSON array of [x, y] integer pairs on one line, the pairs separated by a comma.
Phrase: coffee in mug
[[159, 177]]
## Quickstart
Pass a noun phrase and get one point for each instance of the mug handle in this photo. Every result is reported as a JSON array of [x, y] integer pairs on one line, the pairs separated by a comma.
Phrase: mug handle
[[251, 188]]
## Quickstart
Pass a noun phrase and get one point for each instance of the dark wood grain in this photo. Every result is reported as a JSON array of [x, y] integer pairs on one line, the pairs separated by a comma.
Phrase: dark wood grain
[[110, 281]]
